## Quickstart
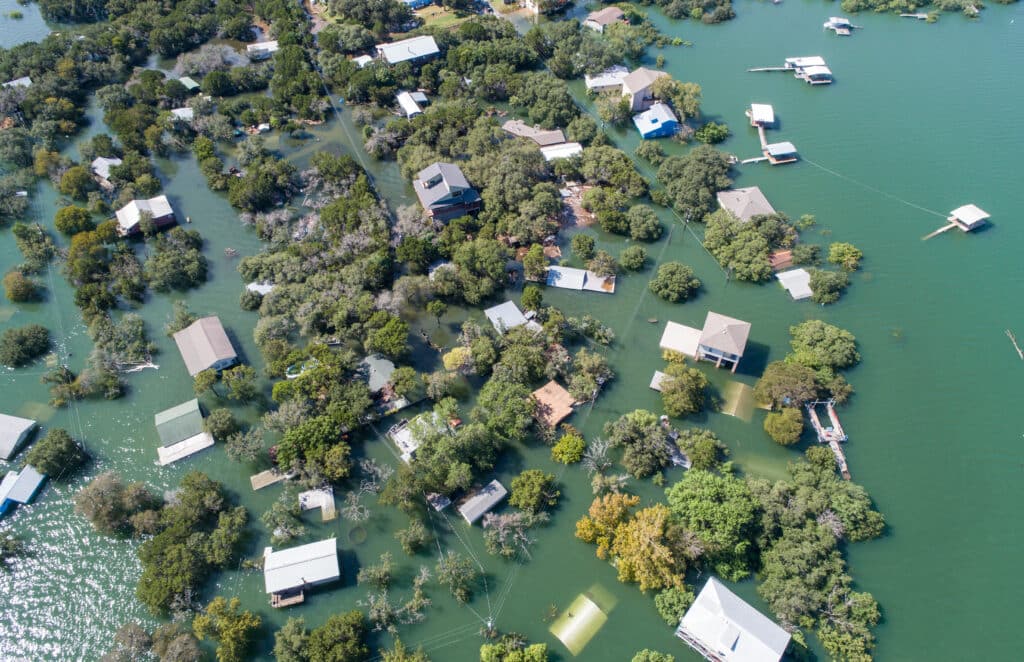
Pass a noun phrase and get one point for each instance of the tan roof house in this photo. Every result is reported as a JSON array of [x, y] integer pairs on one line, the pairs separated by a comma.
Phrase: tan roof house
[[723, 339], [745, 203], [598, 20], [638, 87], [204, 345]]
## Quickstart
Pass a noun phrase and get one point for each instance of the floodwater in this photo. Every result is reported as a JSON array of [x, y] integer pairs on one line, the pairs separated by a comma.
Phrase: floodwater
[[915, 125]]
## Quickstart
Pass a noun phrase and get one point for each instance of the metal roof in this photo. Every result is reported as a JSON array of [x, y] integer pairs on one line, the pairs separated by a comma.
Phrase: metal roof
[[762, 112], [483, 501], [408, 49], [184, 114], [744, 203], [780, 149], [13, 431], [730, 629], [801, 62], [362, 60], [101, 165], [129, 215], [680, 338], [654, 118], [797, 282], [727, 334], [21, 486], [505, 316], [189, 83], [817, 70], [262, 47], [203, 344], [610, 77], [179, 423], [563, 151], [408, 104], [295, 567], [970, 214]]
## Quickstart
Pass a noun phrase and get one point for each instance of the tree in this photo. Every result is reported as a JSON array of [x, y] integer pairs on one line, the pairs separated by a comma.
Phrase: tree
[[785, 426], [674, 282], [22, 345], [643, 223], [315, 445], [76, 182], [582, 246], [173, 643], [633, 258], [413, 537], [844, 255], [712, 133], [404, 380], [533, 491], [292, 641], [569, 448], [648, 655], [684, 391], [399, 653], [241, 383], [672, 603], [458, 574], [177, 262], [603, 264], [229, 626], [647, 549], [391, 339], [221, 423], [72, 220], [512, 648], [645, 445], [340, 639], [720, 511], [819, 345], [10, 549], [692, 181], [827, 286], [532, 298], [437, 309], [181, 317], [505, 409], [702, 447], [56, 455], [204, 381], [786, 385], [131, 642], [109, 504], [18, 288], [603, 518], [535, 263]]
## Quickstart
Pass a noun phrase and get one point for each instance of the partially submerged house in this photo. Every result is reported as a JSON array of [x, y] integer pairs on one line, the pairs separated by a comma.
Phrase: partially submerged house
[[797, 282], [19, 487], [609, 80], [204, 345], [14, 430], [554, 404], [570, 278], [720, 626], [414, 49], [658, 121], [261, 50], [130, 216], [408, 105], [779, 153], [968, 217], [598, 20], [543, 137], [638, 86], [483, 501], [507, 315], [744, 203], [181, 432], [722, 339], [562, 151], [101, 166], [444, 192], [190, 84], [289, 572], [409, 435], [185, 114]]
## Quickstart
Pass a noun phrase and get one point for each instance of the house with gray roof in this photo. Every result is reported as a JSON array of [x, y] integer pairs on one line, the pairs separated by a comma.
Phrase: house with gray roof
[[181, 432], [19, 487], [129, 217], [507, 315], [444, 192], [721, 627], [287, 573], [723, 339], [14, 430], [542, 137], [414, 49], [204, 345], [483, 501], [744, 203]]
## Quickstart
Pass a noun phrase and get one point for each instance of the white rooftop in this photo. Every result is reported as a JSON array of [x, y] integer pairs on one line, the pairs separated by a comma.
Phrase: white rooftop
[[262, 47], [101, 165], [801, 62], [505, 316], [362, 60], [182, 449], [817, 70], [183, 114], [24, 81], [408, 49], [680, 338], [654, 117], [797, 282], [610, 77], [570, 278], [762, 113], [20, 486], [780, 149], [657, 379], [296, 567], [13, 431], [970, 214], [408, 104], [729, 629], [563, 151], [263, 288], [129, 215], [483, 501]]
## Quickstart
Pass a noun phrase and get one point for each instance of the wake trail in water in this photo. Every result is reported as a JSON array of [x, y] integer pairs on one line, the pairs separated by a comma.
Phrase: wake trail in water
[[873, 189]]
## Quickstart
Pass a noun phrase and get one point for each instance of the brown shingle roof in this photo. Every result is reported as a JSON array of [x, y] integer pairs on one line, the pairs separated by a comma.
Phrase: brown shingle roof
[[554, 403]]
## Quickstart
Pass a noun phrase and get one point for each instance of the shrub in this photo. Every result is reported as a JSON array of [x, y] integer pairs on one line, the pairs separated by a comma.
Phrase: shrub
[[569, 449], [72, 220], [22, 345], [785, 426], [18, 288], [633, 258], [674, 282], [56, 454], [583, 246]]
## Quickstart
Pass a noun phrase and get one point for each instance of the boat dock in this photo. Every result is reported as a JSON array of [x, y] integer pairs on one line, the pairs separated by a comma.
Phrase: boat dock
[[756, 69], [920, 17], [267, 478], [833, 435], [322, 499], [280, 600]]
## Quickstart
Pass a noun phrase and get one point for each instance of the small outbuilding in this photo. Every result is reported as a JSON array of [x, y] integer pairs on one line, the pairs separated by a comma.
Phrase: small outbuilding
[[657, 380], [570, 278], [129, 217], [19, 487], [181, 432], [417, 4], [14, 430], [563, 151], [408, 435], [190, 84], [554, 404], [183, 114], [483, 501], [721, 627], [408, 105], [797, 282], [968, 217], [24, 81], [744, 203], [680, 338], [362, 60], [204, 345], [289, 572], [101, 166], [506, 316], [598, 20], [658, 121]]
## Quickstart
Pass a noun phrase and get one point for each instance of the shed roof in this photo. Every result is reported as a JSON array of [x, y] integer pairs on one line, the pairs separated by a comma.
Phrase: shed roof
[[727, 334], [817, 70], [570, 278], [101, 165], [797, 282], [408, 104], [745, 203], [680, 338], [21, 486], [780, 149], [606, 16], [730, 628], [179, 423], [762, 113], [610, 77], [295, 567], [263, 289], [640, 79], [505, 316], [13, 431], [554, 403], [419, 97], [563, 151], [408, 49], [129, 215], [657, 379], [362, 60], [483, 501], [186, 447], [203, 344], [542, 137], [970, 214]]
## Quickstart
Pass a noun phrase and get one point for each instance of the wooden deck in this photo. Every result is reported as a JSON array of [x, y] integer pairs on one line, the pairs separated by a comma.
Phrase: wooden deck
[[832, 435], [278, 600], [266, 479], [944, 228]]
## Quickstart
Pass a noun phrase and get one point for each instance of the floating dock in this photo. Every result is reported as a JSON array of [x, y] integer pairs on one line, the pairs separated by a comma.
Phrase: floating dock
[[920, 17], [833, 435], [267, 478]]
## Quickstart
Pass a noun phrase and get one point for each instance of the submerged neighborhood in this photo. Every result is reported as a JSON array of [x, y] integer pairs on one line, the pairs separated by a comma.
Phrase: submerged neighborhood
[[346, 256]]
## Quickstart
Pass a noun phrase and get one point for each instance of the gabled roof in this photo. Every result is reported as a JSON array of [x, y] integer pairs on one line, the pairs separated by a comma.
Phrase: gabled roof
[[203, 344], [730, 629], [408, 104], [606, 16], [189, 83], [505, 316], [563, 151], [262, 47], [483, 501], [13, 431], [762, 113], [780, 149], [725, 333], [179, 423], [440, 184], [745, 203], [21, 486], [408, 49], [640, 79], [612, 76], [970, 214], [542, 137], [797, 282], [295, 567], [129, 215], [570, 278], [101, 165]]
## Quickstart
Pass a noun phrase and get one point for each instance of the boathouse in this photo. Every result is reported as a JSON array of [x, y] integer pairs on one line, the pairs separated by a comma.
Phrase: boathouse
[[289, 572], [569, 278], [723, 628], [181, 432], [14, 430], [780, 153], [797, 282], [554, 404], [638, 86], [543, 137], [840, 25], [744, 203], [204, 345], [723, 339], [415, 49], [483, 501], [609, 80], [658, 121], [562, 151], [261, 50], [19, 487], [598, 20], [761, 114], [444, 192], [817, 75], [968, 217], [129, 217]]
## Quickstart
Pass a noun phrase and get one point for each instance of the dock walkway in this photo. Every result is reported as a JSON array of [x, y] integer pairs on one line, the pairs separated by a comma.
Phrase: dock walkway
[[833, 435], [267, 478]]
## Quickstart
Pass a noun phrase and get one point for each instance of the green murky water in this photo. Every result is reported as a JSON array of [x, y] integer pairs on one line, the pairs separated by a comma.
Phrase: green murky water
[[919, 121]]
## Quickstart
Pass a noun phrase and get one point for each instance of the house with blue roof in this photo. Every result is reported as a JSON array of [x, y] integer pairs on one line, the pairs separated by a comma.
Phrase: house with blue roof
[[19, 487], [657, 121]]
